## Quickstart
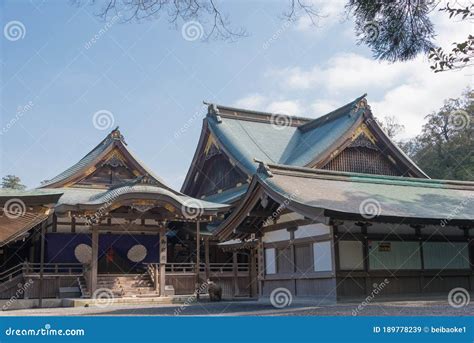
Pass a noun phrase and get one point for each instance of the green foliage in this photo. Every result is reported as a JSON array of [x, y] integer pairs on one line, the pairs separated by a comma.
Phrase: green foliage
[[462, 54], [445, 147], [394, 30], [12, 182]]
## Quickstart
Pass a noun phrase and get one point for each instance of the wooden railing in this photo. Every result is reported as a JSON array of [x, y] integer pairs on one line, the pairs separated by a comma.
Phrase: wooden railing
[[225, 267], [10, 273], [189, 268], [34, 269], [59, 269]]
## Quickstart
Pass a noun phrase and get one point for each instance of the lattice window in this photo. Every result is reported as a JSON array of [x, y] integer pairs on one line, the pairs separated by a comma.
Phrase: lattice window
[[362, 160]]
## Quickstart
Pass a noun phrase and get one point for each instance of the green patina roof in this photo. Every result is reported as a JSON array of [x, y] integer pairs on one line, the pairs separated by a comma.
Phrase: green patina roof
[[228, 196], [114, 138], [355, 193], [296, 144], [85, 198]]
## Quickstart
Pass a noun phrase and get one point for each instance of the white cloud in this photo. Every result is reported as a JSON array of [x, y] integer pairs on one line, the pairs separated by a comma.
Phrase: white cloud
[[261, 103], [330, 14], [411, 101], [321, 107], [451, 30], [251, 101], [409, 90], [285, 107], [343, 72]]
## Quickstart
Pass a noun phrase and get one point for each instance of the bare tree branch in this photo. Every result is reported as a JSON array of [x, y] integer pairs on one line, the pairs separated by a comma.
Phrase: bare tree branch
[[297, 8], [215, 23]]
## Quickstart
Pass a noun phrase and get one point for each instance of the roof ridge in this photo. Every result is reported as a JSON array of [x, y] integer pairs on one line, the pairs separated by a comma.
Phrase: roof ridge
[[286, 169], [334, 114], [304, 124], [109, 139], [112, 140], [252, 115]]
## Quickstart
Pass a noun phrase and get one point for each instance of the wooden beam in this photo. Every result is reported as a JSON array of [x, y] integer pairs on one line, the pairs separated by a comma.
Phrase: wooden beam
[[246, 229], [260, 213], [284, 225]]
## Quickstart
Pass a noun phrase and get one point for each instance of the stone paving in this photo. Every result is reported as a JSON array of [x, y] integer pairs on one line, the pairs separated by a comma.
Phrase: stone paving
[[256, 308]]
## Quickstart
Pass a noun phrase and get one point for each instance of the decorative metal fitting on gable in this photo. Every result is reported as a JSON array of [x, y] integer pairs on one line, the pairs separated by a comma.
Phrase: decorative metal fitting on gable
[[360, 105], [116, 135], [213, 110], [146, 180], [263, 168]]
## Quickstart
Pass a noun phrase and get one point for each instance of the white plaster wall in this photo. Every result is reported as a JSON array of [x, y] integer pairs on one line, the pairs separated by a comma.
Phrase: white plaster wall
[[270, 261], [322, 253], [312, 230], [351, 255], [276, 236]]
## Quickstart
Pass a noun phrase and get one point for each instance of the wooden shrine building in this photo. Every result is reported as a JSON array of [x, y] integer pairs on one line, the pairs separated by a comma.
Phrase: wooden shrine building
[[332, 205], [109, 224], [327, 208]]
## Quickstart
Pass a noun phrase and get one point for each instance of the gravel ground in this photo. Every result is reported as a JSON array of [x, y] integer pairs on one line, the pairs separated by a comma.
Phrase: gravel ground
[[255, 308]]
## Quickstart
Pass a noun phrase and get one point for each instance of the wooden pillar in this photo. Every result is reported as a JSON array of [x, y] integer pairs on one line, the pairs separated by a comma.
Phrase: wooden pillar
[[470, 244], [365, 244], [292, 230], [198, 257], [156, 272], [261, 265], [335, 233], [54, 223], [253, 273], [421, 279], [95, 260], [41, 276], [236, 273], [163, 259], [207, 259]]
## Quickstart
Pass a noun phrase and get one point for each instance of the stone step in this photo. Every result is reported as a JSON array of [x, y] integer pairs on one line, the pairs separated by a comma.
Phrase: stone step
[[137, 277], [131, 284], [139, 285]]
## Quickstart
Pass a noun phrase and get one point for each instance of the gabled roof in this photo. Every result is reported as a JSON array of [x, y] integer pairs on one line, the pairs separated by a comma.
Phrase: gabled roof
[[141, 189], [229, 196], [245, 135], [114, 140], [317, 193]]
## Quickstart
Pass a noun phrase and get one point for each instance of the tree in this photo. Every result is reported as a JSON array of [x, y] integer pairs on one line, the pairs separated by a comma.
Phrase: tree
[[391, 126], [462, 55], [12, 182], [445, 147], [213, 22], [394, 30]]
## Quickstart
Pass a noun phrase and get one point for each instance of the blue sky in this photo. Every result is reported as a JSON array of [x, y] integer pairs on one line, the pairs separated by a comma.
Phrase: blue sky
[[153, 81]]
